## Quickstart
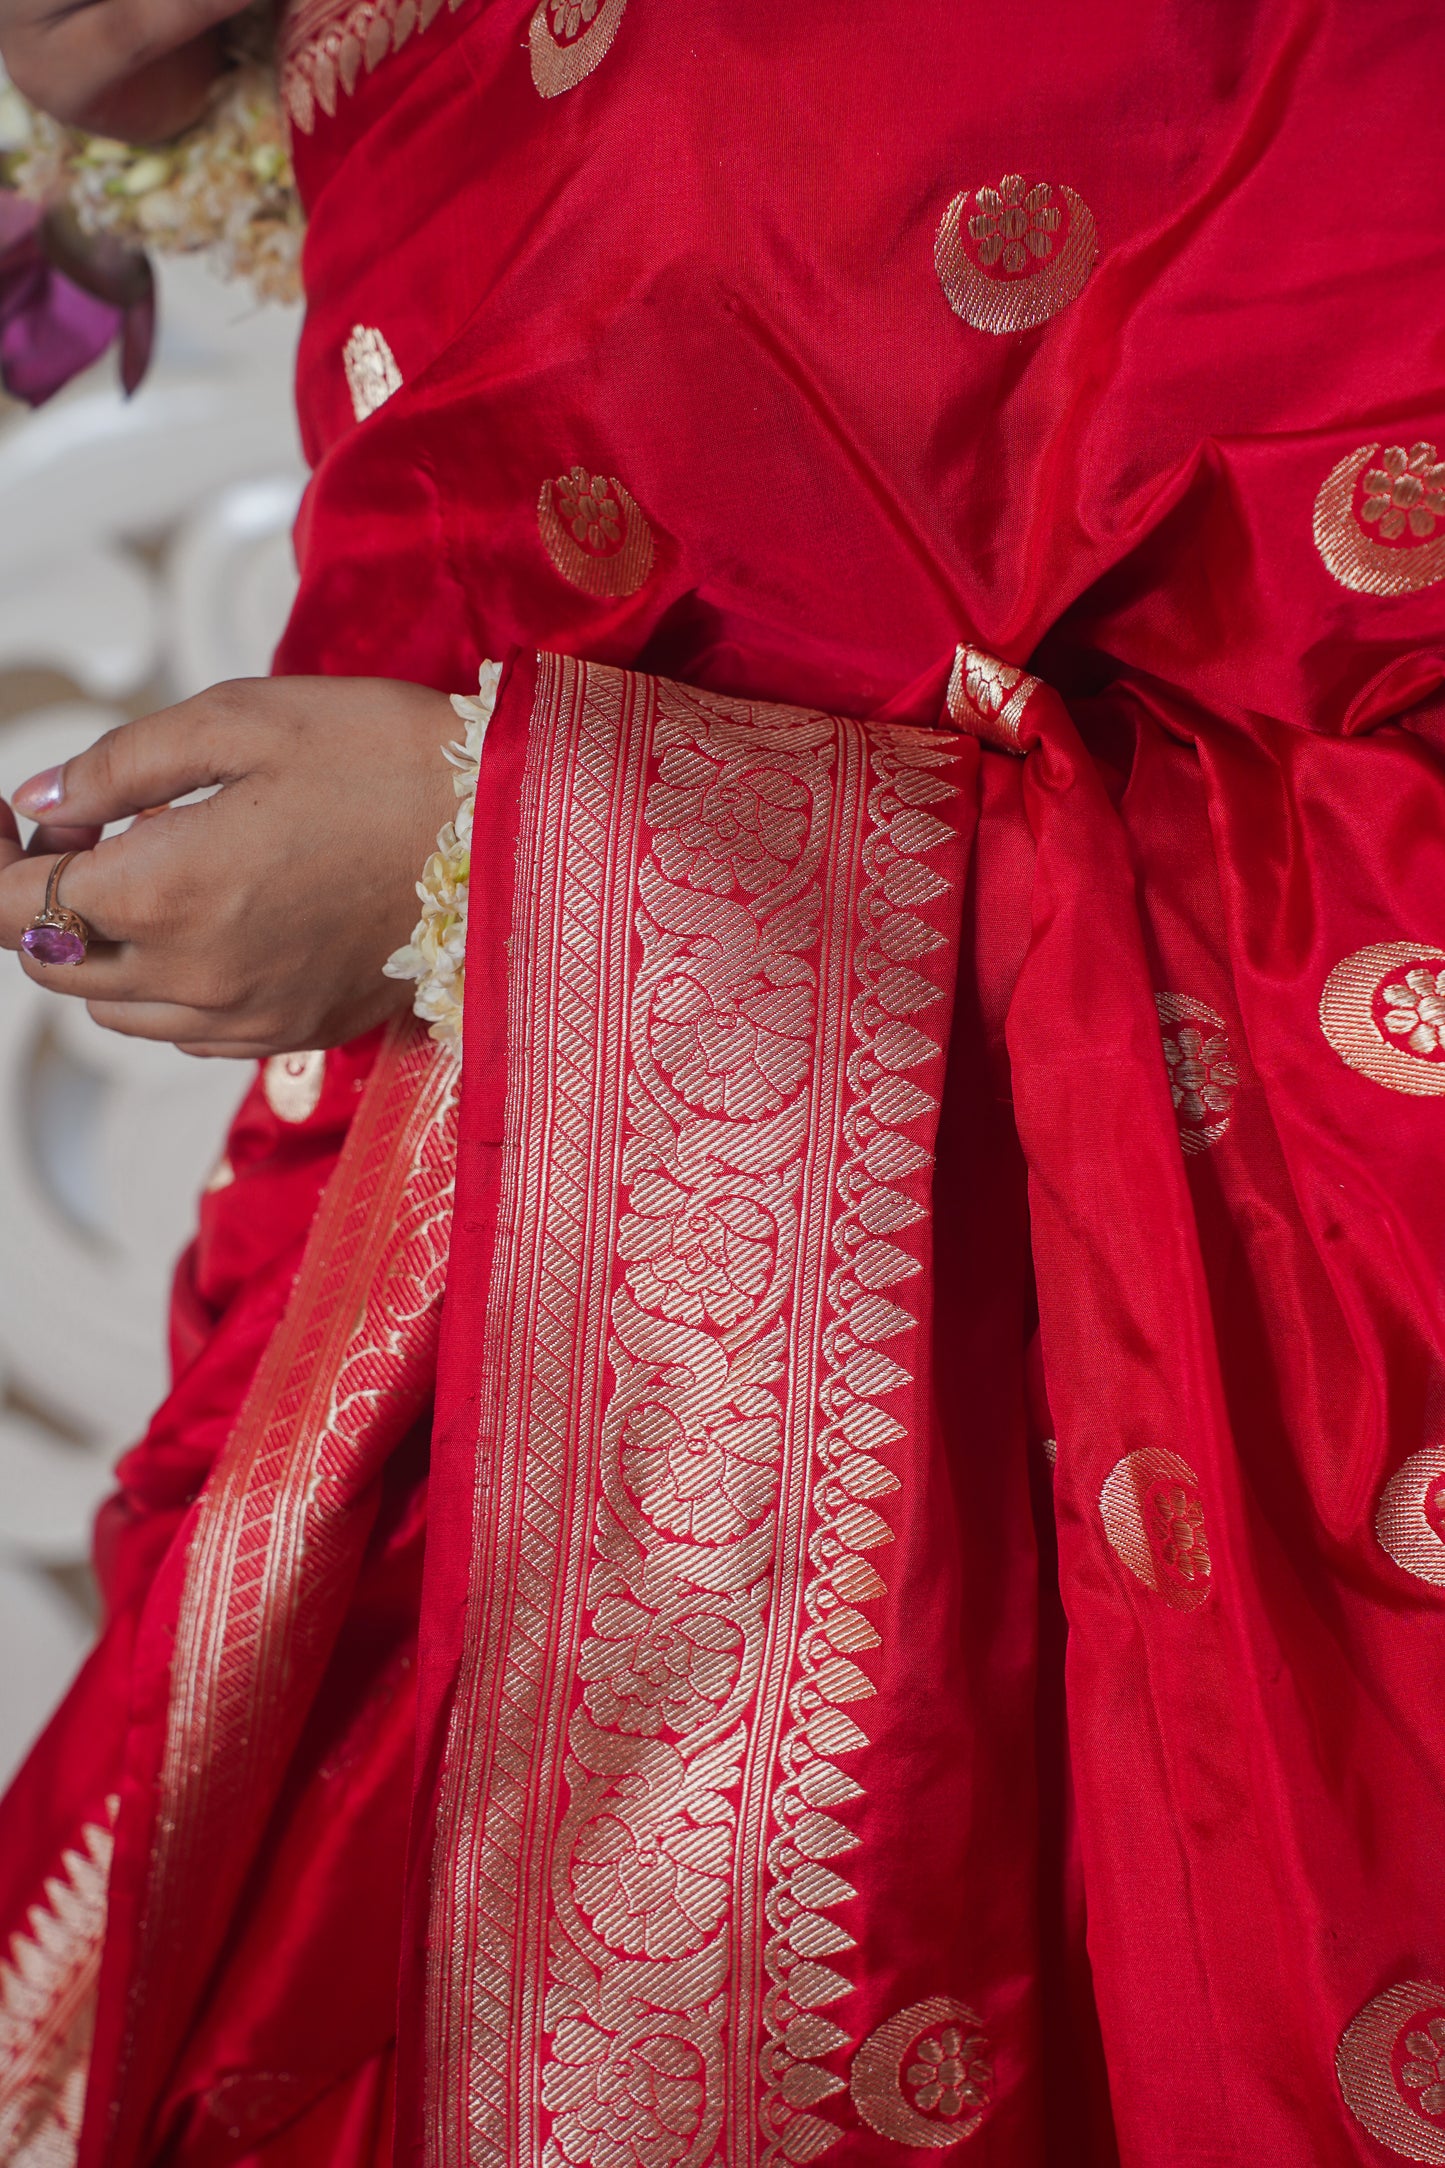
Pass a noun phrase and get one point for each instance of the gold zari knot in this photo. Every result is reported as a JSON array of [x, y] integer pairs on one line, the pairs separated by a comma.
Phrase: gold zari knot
[[987, 698]]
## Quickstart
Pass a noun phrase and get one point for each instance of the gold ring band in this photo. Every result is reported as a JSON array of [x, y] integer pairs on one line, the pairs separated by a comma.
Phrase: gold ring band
[[57, 935]]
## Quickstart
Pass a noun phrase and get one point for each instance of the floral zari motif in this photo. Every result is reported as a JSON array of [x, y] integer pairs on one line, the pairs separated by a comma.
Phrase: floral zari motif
[[1391, 2069], [924, 2078], [568, 39], [734, 939], [292, 1084], [595, 533], [1383, 1012], [1010, 257], [1202, 1075], [1410, 1517], [1153, 1517], [1380, 519], [372, 375]]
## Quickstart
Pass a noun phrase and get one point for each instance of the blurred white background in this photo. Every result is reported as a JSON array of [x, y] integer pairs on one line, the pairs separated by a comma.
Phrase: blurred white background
[[144, 554]]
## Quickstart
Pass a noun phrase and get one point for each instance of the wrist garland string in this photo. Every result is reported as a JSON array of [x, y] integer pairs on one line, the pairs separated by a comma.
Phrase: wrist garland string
[[436, 955]]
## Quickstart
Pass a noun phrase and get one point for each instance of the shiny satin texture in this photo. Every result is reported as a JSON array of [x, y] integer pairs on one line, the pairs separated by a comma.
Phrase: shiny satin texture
[[710, 272], [723, 344]]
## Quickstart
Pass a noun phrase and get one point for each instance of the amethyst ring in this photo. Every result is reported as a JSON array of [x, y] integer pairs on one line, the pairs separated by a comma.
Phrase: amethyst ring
[[57, 936]]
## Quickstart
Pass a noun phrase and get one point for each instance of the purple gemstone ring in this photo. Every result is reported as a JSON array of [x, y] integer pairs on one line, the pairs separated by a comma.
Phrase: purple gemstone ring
[[57, 936]]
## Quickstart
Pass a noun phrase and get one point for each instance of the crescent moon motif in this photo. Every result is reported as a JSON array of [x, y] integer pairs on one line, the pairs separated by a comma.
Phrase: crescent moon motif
[[1402, 1518], [614, 552], [1196, 1136], [560, 64], [900, 2066], [1349, 1022], [1003, 301], [1355, 558], [1377, 2059], [1126, 1509]]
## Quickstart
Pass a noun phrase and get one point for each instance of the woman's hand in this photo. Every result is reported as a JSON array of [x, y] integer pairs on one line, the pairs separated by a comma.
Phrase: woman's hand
[[257, 920], [137, 69]]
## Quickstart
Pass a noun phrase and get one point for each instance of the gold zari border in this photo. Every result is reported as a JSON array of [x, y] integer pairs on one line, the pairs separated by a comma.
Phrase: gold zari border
[[325, 45], [722, 1094], [47, 2006], [284, 1518]]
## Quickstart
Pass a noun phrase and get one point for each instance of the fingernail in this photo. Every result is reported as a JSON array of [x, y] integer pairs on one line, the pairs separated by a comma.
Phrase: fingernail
[[41, 794]]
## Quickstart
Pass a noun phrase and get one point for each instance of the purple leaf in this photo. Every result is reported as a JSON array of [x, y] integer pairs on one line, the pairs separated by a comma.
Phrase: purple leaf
[[137, 338], [55, 322]]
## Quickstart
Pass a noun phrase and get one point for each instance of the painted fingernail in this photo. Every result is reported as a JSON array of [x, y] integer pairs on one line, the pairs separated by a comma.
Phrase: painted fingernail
[[41, 794]]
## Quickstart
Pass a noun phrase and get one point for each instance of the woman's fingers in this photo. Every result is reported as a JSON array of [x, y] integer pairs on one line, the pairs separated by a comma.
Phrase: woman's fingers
[[130, 33], [55, 842], [87, 885], [159, 1020], [139, 69], [131, 890], [135, 767], [221, 1050], [147, 900], [259, 919], [114, 975], [194, 1031]]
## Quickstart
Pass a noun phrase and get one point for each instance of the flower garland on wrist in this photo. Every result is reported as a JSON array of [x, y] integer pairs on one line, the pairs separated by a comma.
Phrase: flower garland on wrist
[[436, 955]]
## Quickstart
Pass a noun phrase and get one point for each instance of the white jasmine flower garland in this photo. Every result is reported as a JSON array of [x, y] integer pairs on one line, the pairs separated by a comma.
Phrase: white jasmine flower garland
[[226, 186], [436, 955]]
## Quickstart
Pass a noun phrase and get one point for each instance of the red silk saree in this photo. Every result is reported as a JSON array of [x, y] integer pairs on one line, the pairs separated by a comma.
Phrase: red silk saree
[[836, 1548]]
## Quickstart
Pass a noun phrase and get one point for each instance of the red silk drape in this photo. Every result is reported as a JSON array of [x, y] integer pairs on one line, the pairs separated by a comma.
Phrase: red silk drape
[[699, 355]]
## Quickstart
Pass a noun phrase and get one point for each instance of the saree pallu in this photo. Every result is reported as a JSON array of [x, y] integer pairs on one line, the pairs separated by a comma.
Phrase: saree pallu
[[916, 1354], [764, 1793], [762, 1830]]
